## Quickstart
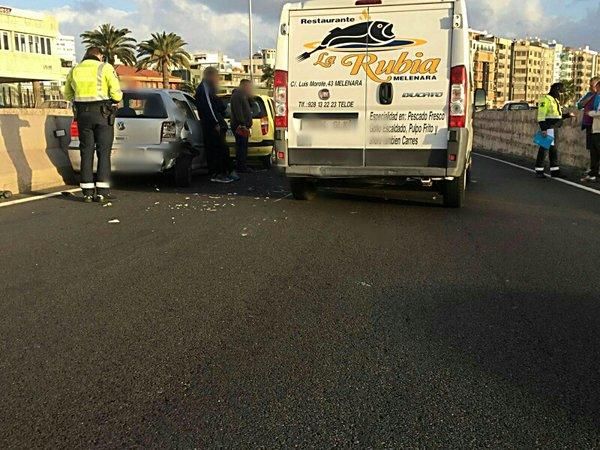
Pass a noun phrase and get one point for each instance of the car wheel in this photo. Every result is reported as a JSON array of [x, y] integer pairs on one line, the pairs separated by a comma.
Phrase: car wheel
[[303, 189], [455, 191], [6, 194], [183, 171], [267, 162]]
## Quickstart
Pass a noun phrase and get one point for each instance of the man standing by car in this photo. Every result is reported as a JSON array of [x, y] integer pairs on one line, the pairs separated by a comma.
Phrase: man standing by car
[[214, 127], [241, 123], [93, 87]]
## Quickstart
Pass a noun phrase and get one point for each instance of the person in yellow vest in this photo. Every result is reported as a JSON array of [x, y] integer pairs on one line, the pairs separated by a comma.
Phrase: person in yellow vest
[[550, 117], [93, 87]]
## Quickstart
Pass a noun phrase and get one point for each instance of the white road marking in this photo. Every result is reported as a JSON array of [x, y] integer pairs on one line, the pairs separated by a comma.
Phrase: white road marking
[[570, 183], [37, 197]]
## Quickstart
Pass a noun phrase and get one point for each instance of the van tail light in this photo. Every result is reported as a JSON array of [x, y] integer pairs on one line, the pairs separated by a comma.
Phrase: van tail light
[[168, 133], [458, 97], [264, 125], [280, 85], [74, 130]]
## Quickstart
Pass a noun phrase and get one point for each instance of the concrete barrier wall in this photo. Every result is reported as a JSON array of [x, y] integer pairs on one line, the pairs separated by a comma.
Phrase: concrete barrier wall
[[512, 133], [31, 157]]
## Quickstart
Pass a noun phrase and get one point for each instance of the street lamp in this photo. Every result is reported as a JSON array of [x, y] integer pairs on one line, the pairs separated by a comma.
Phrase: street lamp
[[251, 62]]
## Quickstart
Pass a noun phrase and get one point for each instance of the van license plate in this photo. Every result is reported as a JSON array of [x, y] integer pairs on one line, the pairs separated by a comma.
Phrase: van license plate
[[337, 124]]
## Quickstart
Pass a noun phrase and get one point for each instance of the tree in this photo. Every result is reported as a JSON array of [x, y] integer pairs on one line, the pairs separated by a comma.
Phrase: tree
[[115, 43], [268, 76], [163, 52], [569, 92], [188, 86]]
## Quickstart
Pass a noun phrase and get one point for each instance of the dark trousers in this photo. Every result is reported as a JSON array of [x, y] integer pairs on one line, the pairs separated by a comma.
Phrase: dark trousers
[[541, 160], [217, 152], [595, 155], [96, 137], [241, 152]]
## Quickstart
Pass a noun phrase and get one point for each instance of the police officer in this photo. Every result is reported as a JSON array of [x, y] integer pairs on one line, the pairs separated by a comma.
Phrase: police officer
[[550, 117], [93, 87]]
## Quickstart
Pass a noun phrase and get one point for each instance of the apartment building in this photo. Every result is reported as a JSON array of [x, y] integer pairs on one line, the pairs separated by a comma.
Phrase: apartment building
[[27, 46], [503, 75], [585, 66], [532, 71], [483, 61]]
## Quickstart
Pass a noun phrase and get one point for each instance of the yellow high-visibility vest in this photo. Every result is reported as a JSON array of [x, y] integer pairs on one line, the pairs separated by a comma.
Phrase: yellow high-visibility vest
[[549, 108], [93, 81]]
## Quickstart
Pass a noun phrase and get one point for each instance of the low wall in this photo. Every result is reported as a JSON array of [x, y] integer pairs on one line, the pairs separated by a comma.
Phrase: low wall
[[512, 132], [31, 157]]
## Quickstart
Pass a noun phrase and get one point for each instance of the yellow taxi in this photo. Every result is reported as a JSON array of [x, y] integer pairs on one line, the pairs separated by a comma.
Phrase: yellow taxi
[[261, 141]]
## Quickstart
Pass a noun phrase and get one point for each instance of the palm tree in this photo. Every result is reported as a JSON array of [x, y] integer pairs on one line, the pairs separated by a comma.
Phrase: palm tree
[[163, 52], [114, 43], [268, 76]]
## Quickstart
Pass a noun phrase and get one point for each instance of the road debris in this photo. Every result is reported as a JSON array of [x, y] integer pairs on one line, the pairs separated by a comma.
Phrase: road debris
[[114, 221]]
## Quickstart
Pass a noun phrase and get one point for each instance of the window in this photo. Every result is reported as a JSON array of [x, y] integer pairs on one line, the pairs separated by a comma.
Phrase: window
[[43, 42], [31, 46], [48, 47], [4, 42], [142, 106], [23, 45], [37, 44]]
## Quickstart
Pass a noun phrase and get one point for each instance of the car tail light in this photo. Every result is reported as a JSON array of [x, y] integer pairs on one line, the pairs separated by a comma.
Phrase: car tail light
[[168, 132], [458, 97], [74, 130], [281, 98], [264, 125]]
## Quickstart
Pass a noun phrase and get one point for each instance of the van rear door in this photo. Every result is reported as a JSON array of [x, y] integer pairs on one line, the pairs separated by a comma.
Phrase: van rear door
[[326, 103], [408, 86]]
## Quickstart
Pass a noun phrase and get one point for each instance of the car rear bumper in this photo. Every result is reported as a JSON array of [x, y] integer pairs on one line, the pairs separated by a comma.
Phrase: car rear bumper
[[151, 159]]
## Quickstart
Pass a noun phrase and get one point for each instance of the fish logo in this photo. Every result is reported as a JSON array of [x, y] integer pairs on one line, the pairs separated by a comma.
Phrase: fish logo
[[374, 34]]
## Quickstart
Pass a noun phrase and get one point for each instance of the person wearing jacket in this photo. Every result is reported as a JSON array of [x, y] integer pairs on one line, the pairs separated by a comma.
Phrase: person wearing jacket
[[93, 87], [214, 127], [550, 117], [594, 114], [586, 104], [241, 123]]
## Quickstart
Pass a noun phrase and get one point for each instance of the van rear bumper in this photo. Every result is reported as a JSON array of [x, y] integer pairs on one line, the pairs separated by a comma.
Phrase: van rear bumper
[[360, 172]]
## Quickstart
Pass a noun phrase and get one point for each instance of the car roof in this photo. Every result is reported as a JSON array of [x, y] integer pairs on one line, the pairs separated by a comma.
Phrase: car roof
[[152, 91]]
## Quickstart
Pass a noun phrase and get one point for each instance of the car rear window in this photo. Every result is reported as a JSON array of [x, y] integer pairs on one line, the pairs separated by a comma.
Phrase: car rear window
[[258, 107], [139, 105]]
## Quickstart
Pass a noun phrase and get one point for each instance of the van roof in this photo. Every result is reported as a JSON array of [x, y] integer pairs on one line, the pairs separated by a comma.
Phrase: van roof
[[310, 4]]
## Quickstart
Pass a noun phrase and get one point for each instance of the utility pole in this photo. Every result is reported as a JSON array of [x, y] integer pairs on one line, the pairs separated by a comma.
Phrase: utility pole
[[251, 62]]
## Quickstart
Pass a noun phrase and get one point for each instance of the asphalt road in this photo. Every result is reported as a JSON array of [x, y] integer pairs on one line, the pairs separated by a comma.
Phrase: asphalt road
[[232, 316]]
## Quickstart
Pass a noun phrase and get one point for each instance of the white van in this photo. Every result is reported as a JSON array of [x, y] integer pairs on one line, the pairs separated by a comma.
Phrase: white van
[[375, 91]]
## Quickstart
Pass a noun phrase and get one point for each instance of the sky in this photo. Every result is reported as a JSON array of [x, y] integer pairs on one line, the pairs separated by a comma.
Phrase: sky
[[210, 25]]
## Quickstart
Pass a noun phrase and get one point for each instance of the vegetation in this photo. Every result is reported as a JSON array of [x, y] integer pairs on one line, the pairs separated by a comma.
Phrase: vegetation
[[163, 52], [188, 86], [570, 94], [268, 76], [115, 43]]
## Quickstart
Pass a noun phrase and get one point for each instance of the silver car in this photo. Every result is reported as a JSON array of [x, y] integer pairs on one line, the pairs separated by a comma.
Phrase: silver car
[[156, 131]]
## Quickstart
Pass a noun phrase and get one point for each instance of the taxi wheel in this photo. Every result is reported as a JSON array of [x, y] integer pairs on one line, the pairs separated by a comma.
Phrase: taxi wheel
[[267, 162], [303, 189]]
